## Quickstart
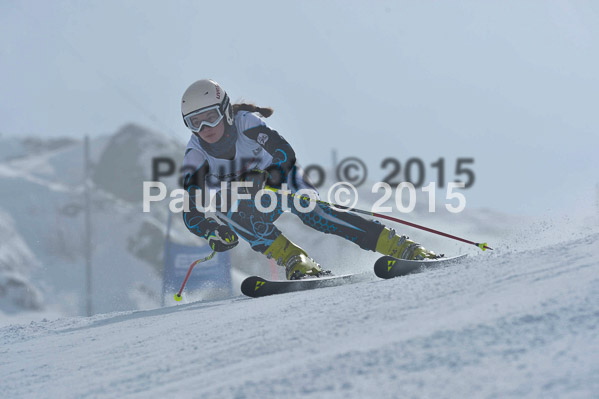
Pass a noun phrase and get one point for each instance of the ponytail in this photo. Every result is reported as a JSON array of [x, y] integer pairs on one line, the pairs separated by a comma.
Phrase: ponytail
[[264, 111]]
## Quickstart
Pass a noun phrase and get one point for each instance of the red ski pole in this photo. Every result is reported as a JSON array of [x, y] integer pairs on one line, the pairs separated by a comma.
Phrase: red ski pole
[[178, 295], [482, 246]]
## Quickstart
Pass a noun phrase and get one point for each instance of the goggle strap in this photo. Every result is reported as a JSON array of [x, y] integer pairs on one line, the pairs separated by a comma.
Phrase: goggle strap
[[224, 104]]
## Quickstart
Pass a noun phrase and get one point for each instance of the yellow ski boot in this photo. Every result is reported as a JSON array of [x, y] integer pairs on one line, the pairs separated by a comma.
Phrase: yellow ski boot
[[391, 244], [295, 260]]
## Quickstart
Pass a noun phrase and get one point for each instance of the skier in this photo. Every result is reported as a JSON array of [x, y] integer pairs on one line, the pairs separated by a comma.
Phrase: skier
[[230, 142]]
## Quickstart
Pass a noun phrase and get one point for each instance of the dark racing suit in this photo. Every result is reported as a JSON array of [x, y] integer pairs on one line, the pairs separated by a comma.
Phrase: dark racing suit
[[250, 144]]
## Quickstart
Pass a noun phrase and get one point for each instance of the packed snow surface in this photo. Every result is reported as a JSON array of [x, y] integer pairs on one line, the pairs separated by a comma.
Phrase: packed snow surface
[[500, 324]]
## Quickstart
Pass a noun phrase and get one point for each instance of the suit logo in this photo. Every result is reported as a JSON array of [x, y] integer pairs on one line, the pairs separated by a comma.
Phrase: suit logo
[[262, 139]]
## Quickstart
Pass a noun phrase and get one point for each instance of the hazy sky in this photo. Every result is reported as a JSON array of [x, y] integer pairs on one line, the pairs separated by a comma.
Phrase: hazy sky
[[513, 85]]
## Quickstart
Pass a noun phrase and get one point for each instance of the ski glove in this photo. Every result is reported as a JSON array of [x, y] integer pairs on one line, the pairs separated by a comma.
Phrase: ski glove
[[222, 239]]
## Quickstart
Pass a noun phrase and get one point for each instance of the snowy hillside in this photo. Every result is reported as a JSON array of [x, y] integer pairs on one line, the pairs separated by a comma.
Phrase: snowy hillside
[[16, 264], [508, 323], [41, 181]]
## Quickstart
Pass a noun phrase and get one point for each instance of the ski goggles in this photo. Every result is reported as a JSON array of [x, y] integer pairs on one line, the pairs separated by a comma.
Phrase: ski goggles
[[210, 117]]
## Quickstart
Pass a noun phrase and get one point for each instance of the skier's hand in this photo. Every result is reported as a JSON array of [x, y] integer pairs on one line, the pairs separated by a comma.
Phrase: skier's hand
[[258, 178], [222, 239]]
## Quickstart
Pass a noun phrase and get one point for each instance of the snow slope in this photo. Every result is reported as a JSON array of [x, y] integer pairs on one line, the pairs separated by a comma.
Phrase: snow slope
[[511, 323]]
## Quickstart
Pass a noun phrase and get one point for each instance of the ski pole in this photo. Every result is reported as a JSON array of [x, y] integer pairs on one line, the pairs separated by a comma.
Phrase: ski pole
[[178, 295], [482, 246]]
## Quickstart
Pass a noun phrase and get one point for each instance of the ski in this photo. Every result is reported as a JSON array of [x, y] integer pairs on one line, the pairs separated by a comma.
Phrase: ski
[[385, 267], [256, 286], [389, 267]]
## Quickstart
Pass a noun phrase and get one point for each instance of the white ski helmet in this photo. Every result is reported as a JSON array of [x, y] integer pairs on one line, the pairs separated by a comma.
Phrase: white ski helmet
[[205, 103]]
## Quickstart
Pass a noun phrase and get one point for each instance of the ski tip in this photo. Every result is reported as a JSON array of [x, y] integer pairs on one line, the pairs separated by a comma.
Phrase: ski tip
[[388, 267], [251, 285], [383, 266]]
